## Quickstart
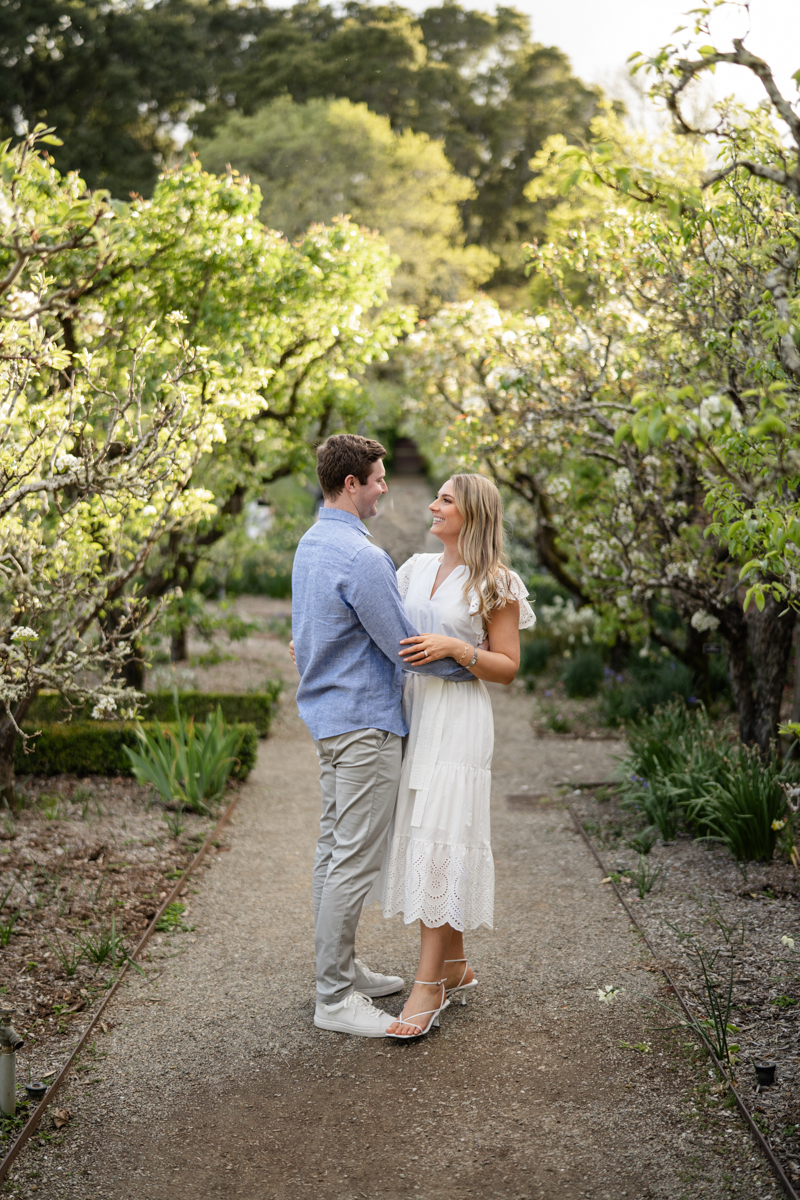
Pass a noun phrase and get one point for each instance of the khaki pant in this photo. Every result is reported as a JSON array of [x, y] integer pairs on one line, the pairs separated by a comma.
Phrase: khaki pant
[[359, 777]]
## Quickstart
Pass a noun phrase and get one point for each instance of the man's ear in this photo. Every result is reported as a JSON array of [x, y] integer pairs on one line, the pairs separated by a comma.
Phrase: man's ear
[[350, 482]]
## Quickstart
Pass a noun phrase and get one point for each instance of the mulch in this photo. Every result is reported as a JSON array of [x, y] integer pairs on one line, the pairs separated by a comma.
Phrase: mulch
[[734, 916], [77, 857]]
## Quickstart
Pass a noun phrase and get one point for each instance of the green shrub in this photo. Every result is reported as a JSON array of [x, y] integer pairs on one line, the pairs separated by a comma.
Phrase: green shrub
[[583, 674], [544, 589], [98, 748], [646, 688], [248, 708], [186, 762], [534, 653]]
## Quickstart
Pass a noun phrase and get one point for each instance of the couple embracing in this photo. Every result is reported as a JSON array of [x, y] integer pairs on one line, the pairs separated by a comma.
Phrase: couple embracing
[[390, 666]]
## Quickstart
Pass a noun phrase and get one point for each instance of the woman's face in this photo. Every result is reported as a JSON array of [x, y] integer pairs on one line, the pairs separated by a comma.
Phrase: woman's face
[[447, 520]]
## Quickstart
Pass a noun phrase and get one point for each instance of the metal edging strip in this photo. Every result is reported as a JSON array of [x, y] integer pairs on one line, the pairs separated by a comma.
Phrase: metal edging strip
[[32, 1124], [755, 1132]]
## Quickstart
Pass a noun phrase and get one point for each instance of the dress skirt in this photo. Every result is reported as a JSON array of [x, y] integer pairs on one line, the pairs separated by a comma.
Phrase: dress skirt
[[439, 866]]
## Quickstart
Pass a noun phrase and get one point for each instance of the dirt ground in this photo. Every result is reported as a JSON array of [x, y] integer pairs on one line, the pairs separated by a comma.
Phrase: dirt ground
[[214, 1082], [704, 907], [83, 867]]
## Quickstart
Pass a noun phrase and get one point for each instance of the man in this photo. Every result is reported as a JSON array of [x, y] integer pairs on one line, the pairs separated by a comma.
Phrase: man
[[347, 623]]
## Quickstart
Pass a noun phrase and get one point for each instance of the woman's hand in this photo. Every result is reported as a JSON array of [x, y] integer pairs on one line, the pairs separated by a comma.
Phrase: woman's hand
[[428, 647], [291, 651]]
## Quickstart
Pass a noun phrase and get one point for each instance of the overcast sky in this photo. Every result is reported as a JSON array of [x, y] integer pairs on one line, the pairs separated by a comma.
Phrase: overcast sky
[[599, 35]]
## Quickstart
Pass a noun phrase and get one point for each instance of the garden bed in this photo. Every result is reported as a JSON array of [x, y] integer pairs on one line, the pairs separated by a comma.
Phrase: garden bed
[[82, 863], [703, 906]]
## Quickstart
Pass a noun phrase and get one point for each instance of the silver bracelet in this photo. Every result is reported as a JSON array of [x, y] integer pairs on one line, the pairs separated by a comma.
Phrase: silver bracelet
[[473, 660]]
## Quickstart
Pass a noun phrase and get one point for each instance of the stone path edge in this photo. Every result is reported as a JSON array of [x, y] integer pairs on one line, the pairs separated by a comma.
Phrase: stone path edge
[[34, 1120], [744, 1111]]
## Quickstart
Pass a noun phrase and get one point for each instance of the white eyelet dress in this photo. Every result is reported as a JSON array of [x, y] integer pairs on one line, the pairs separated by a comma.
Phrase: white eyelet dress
[[439, 866]]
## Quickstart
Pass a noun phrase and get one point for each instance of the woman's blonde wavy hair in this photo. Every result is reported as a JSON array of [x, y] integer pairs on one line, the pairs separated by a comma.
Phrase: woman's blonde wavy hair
[[480, 542]]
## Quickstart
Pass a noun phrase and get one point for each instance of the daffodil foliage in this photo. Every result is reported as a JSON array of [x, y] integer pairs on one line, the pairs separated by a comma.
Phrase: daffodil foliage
[[156, 358], [646, 419]]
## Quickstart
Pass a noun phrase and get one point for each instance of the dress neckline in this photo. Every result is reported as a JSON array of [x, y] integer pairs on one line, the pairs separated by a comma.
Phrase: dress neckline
[[437, 558]]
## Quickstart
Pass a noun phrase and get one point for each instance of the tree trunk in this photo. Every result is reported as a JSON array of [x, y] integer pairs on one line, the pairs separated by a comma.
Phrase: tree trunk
[[796, 694], [133, 671], [8, 737], [697, 661], [759, 645], [770, 635], [179, 644], [8, 740]]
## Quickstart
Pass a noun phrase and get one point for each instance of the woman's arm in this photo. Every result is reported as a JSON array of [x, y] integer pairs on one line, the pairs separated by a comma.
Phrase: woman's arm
[[498, 657]]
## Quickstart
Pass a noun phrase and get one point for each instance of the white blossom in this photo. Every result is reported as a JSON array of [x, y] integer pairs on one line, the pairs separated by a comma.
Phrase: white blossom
[[559, 488], [105, 707], [704, 622], [607, 994], [66, 462], [621, 480], [23, 633]]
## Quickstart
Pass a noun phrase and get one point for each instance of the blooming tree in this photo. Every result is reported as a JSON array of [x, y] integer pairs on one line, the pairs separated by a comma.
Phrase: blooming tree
[[647, 390], [289, 325], [157, 360], [92, 473]]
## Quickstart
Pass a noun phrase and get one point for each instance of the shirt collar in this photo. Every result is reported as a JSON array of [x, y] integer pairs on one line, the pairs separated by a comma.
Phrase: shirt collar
[[338, 514]]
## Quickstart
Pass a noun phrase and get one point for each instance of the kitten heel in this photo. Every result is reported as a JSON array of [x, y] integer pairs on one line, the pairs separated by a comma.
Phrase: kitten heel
[[461, 988]]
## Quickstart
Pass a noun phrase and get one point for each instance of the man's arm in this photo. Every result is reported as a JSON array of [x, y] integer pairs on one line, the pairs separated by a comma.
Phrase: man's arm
[[372, 591]]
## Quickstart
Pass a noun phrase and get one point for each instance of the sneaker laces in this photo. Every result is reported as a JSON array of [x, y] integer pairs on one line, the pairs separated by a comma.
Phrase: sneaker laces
[[358, 1000], [370, 976]]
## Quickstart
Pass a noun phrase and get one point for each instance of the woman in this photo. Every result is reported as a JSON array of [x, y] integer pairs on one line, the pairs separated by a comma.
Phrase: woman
[[439, 867]]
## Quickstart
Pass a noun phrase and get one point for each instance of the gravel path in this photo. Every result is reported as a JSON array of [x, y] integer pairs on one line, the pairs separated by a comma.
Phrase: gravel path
[[214, 1082]]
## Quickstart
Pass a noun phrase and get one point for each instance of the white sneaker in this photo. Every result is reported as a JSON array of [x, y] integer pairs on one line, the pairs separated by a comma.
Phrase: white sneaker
[[355, 1014], [371, 983]]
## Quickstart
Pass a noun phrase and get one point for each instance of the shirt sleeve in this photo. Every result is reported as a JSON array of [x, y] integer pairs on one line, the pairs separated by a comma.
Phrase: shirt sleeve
[[373, 594]]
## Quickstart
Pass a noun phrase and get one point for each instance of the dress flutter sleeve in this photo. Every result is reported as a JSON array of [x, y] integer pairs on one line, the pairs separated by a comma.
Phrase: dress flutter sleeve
[[517, 589], [404, 574], [514, 590]]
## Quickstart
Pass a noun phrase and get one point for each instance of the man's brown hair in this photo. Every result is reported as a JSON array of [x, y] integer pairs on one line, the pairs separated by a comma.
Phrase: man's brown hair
[[342, 455]]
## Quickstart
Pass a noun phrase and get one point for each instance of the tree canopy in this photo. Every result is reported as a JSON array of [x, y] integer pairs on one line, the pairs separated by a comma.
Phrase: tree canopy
[[320, 159], [114, 78], [162, 360], [646, 419]]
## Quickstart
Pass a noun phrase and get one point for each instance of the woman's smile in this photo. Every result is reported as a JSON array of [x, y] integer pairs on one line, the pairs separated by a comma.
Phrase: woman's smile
[[447, 520]]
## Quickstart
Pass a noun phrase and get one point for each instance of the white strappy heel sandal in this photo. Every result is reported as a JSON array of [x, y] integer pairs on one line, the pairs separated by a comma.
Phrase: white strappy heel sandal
[[433, 1013], [461, 987]]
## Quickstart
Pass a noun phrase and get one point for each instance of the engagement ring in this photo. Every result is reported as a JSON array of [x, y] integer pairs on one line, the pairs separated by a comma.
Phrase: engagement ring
[[425, 652]]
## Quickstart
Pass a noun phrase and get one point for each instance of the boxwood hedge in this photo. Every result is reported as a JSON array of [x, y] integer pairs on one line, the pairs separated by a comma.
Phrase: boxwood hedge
[[96, 748], [249, 708]]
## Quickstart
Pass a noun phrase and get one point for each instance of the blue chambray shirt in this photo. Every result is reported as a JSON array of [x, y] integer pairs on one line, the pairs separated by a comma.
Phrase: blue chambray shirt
[[347, 622]]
